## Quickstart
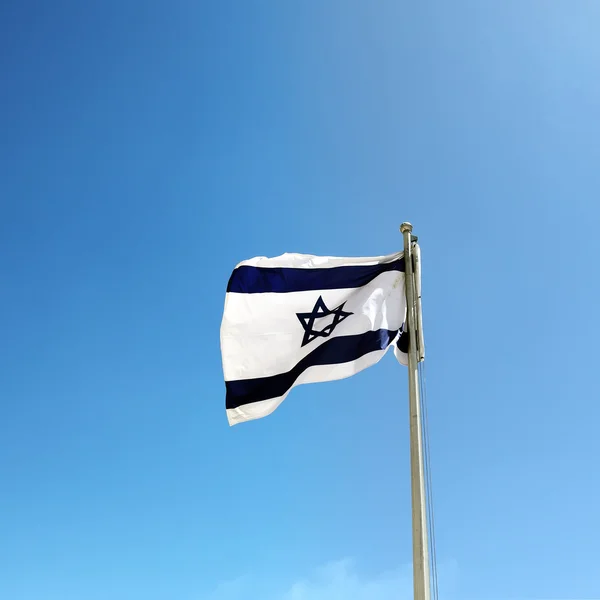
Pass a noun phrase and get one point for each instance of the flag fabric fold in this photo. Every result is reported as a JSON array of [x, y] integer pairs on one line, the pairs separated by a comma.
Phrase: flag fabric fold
[[297, 319]]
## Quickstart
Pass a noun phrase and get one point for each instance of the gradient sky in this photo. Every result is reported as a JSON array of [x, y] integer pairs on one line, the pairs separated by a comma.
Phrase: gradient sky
[[146, 147]]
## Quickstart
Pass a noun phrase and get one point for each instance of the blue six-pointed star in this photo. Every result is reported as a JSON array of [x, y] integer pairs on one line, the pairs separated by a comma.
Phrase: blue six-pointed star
[[318, 312]]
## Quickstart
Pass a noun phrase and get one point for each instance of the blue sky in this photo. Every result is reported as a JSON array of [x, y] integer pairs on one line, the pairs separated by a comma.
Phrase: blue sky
[[147, 147]]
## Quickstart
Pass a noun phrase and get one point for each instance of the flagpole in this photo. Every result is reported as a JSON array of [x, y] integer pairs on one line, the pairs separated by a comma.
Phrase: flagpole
[[421, 581]]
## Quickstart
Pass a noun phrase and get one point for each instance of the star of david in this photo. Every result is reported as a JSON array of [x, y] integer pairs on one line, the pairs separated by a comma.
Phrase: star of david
[[318, 312]]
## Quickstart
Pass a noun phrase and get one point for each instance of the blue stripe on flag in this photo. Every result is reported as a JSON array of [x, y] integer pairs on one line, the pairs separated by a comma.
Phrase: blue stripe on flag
[[256, 280], [335, 351]]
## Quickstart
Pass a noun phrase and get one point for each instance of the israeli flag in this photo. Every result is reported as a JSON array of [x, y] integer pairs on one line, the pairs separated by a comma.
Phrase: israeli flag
[[298, 319]]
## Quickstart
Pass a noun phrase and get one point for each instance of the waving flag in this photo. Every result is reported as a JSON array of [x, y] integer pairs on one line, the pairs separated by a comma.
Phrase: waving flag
[[298, 319]]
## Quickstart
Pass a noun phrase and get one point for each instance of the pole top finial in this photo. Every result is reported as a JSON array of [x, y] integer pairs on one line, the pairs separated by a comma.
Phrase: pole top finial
[[406, 227]]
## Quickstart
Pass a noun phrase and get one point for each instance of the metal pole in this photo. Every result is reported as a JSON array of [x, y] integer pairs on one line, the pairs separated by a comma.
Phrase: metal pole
[[421, 581]]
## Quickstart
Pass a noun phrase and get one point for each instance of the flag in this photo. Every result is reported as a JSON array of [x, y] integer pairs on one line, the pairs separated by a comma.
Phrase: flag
[[298, 318]]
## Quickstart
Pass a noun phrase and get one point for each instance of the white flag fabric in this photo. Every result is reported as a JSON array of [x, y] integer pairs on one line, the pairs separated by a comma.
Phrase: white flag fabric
[[299, 318]]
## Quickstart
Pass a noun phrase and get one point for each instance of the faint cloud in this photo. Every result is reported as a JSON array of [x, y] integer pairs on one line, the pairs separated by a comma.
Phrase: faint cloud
[[339, 580], [234, 589]]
